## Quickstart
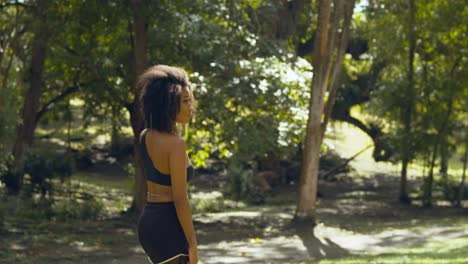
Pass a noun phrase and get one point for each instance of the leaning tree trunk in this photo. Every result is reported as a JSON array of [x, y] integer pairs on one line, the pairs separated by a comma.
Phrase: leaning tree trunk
[[25, 131], [408, 107], [136, 118], [330, 44]]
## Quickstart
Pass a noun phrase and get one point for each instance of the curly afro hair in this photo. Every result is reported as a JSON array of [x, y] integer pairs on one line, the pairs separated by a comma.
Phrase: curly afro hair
[[161, 88]]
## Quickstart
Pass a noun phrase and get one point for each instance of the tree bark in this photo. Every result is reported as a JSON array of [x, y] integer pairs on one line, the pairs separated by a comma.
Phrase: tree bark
[[25, 131], [408, 107], [310, 163], [461, 187], [441, 132], [444, 157], [325, 67], [136, 118], [347, 13]]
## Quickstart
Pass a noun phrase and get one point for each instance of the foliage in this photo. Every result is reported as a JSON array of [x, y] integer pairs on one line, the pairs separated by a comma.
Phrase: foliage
[[62, 210], [241, 185], [74, 209], [438, 96], [251, 88], [447, 189], [259, 110], [207, 202], [44, 166], [9, 89]]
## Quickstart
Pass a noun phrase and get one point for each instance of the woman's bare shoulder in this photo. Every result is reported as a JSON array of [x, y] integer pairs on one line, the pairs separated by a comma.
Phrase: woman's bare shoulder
[[176, 141]]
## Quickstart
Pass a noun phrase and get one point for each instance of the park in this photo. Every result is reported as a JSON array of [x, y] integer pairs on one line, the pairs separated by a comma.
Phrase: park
[[325, 131]]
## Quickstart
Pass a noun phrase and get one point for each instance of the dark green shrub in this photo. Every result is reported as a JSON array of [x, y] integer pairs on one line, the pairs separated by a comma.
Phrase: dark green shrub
[[241, 185], [36, 209], [65, 209], [77, 209], [2, 218], [7, 175], [449, 188], [82, 158], [43, 166], [203, 202]]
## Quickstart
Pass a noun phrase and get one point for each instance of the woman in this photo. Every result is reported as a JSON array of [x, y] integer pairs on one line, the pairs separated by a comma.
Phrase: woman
[[165, 228]]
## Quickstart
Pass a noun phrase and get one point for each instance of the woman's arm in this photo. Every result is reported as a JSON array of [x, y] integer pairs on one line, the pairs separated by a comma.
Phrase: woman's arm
[[178, 173]]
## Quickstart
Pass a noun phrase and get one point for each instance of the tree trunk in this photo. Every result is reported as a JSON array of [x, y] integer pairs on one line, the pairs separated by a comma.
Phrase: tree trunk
[[441, 132], [427, 195], [115, 138], [408, 107], [444, 157], [461, 187], [136, 118], [25, 131], [346, 12], [326, 66]]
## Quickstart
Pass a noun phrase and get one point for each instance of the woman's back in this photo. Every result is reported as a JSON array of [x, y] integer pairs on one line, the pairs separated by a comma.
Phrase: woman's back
[[156, 148]]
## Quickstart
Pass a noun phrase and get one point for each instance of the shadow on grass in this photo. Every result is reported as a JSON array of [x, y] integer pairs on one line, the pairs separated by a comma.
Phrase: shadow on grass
[[318, 248], [452, 257], [102, 241]]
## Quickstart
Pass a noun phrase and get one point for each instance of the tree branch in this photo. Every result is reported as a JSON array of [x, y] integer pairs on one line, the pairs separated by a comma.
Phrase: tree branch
[[345, 163], [47, 106]]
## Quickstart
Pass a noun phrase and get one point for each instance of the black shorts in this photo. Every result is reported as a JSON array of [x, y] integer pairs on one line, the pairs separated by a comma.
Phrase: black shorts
[[160, 232]]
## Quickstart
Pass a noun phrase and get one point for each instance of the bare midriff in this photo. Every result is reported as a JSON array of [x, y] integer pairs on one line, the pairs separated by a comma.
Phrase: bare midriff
[[158, 193]]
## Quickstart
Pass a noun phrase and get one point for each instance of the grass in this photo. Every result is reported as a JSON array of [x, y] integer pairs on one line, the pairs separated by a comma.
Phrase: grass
[[99, 182], [31, 235], [412, 235], [348, 140]]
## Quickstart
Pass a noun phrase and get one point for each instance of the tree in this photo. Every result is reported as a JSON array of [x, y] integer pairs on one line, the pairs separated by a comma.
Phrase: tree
[[330, 44], [10, 34], [136, 118], [419, 92], [25, 131], [407, 111]]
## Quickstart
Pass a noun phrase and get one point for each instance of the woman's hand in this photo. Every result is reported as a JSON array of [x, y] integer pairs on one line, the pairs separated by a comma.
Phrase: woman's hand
[[193, 255]]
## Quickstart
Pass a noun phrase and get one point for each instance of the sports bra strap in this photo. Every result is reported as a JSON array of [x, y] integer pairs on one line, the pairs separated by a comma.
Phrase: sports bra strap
[[152, 174]]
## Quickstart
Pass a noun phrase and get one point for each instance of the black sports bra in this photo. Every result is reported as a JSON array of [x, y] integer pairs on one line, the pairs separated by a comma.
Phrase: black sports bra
[[153, 174]]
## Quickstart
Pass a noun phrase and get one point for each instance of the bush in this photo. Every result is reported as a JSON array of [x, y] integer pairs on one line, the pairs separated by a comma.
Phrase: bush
[[449, 188], [40, 209], [43, 166], [66, 209], [7, 175], [9, 100], [82, 158], [69, 209], [207, 202], [241, 185], [2, 219]]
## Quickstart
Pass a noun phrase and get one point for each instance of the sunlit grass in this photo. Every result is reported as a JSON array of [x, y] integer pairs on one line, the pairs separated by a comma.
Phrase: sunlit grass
[[348, 140], [98, 131], [399, 259], [122, 184], [212, 201], [437, 241]]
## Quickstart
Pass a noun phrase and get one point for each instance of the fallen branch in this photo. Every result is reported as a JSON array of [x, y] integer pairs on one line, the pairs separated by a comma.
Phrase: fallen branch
[[330, 172]]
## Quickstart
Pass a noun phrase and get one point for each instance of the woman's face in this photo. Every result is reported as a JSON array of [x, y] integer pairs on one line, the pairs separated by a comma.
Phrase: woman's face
[[187, 106]]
